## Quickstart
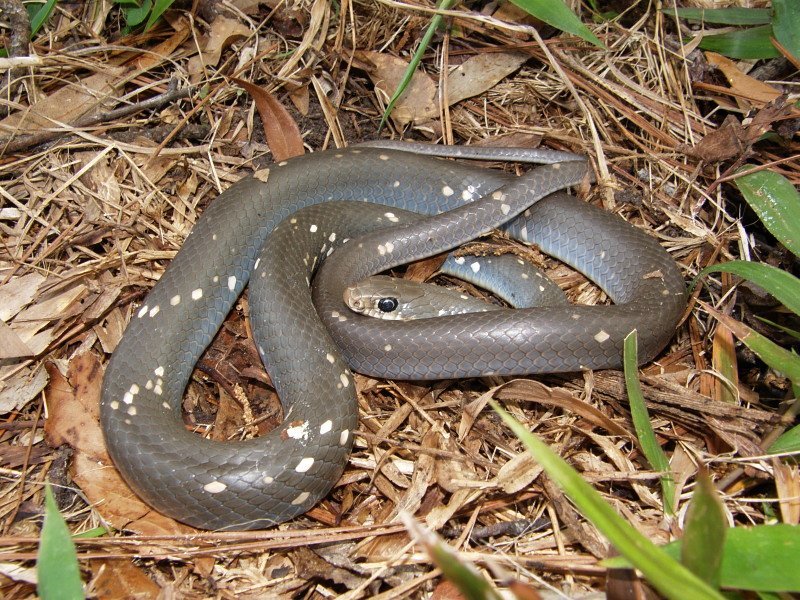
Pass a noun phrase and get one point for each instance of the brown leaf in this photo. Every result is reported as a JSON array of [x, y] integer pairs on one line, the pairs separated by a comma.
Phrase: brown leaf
[[120, 578], [481, 73], [743, 85], [418, 102], [280, 129], [73, 411]]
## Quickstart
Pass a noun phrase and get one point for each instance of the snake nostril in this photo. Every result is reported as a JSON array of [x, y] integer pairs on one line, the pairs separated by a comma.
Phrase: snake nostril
[[387, 304]]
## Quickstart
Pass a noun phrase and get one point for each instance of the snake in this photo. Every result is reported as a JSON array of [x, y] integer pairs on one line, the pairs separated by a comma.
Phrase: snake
[[273, 230]]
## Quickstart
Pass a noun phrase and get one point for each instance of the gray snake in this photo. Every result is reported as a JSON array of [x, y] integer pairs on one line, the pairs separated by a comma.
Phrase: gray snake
[[252, 232]]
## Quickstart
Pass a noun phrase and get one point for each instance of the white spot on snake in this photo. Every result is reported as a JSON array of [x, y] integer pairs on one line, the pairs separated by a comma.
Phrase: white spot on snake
[[127, 398], [157, 390], [381, 249], [520, 261], [459, 260], [268, 479], [442, 312], [143, 311], [498, 195], [216, 278], [447, 191], [576, 316], [525, 276], [391, 216], [602, 255], [258, 261], [527, 212], [330, 251], [387, 348], [325, 427], [505, 208], [154, 311], [335, 314], [214, 236], [215, 487], [301, 498], [601, 336], [541, 288], [134, 389], [396, 184], [283, 163], [383, 157], [304, 465], [114, 405], [132, 411], [159, 372], [343, 378], [389, 247], [339, 155], [231, 282], [344, 436], [665, 292], [313, 229], [293, 220], [476, 266], [524, 234], [166, 405], [127, 421], [466, 195], [197, 294], [464, 297], [175, 300], [355, 151], [298, 432], [342, 318], [332, 237], [329, 357], [261, 350]]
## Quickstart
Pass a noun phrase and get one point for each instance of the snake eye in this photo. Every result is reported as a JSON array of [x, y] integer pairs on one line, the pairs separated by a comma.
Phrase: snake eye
[[387, 304]]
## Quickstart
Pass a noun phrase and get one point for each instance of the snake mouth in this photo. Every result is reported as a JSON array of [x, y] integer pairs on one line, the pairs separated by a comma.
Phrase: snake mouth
[[353, 299]]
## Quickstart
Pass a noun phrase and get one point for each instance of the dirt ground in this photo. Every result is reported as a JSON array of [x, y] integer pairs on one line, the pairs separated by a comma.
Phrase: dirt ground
[[113, 143]]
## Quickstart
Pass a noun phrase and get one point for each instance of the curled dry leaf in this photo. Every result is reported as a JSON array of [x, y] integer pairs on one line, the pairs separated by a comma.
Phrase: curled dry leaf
[[741, 84], [222, 33], [280, 129]]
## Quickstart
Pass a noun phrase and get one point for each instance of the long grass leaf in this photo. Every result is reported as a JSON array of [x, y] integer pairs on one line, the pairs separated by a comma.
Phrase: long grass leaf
[[776, 201], [641, 422], [57, 562], [704, 532], [668, 576], [784, 286], [558, 14]]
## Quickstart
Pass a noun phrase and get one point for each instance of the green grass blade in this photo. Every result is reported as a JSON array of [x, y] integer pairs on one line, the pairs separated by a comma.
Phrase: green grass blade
[[776, 202], [786, 25], [159, 7], [558, 14], [787, 330], [436, 21], [723, 16], [135, 15], [669, 577], [471, 584], [745, 44], [704, 532], [57, 563], [641, 422], [789, 441], [784, 286], [761, 558], [776, 357], [40, 14]]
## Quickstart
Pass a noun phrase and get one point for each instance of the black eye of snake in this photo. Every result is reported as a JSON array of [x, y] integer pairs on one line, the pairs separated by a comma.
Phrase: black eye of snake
[[387, 304]]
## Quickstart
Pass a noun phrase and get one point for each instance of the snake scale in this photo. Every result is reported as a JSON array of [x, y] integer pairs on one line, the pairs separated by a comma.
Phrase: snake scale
[[273, 230]]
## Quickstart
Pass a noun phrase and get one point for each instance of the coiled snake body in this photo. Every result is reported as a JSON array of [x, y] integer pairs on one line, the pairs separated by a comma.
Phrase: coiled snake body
[[256, 483]]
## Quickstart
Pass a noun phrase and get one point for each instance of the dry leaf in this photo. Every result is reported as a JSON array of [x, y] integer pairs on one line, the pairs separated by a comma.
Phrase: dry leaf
[[480, 73], [21, 387], [17, 293], [120, 578], [518, 473], [743, 85], [66, 104], [280, 129], [418, 102], [221, 34], [11, 346]]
